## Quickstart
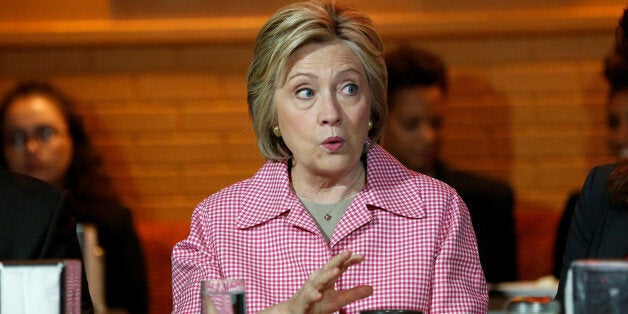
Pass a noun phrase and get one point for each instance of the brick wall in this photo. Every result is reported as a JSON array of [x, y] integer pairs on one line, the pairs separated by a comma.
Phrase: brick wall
[[172, 121], [173, 124]]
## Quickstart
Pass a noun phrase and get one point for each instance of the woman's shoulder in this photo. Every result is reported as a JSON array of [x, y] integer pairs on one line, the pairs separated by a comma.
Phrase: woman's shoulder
[[24, 196], [602, 171], [385, 171], [597, 180], [271, 176], [111, 218], [13, 184], [227, 194]]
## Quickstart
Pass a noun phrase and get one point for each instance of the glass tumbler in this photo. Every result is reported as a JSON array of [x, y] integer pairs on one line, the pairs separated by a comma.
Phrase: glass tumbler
[[223, 296]]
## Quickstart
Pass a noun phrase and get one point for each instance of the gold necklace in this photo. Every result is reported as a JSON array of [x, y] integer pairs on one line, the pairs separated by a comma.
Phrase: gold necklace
[[328, 216], [319, 208]]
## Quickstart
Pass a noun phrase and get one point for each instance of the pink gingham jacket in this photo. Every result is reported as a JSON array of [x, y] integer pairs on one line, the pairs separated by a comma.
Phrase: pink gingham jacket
[[414, 232]]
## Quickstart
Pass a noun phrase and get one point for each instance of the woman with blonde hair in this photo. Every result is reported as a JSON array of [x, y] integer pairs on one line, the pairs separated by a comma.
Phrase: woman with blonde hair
[[331, 222]]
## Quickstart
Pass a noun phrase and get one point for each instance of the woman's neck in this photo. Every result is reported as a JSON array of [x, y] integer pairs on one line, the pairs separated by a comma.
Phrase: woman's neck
[[327, 190]]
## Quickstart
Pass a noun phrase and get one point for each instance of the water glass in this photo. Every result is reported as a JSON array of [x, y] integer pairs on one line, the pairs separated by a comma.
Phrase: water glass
[[391, 311], [223, 296]]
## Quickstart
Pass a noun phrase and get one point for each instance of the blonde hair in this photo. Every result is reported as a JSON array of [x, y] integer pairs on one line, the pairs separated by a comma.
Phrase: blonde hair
[[291, 28]]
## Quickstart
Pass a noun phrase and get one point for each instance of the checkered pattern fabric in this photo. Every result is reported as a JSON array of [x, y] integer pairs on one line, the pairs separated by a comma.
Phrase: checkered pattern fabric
[[414, 232]]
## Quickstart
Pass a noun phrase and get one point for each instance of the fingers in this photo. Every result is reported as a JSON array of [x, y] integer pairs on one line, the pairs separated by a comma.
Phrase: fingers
[[318, 290], [325, 277], [351, 295], [343, 261], [334, 301], [301, 302], [355, 259]]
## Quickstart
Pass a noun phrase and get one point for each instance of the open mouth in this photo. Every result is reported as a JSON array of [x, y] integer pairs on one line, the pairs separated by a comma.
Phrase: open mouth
[[334, 143]]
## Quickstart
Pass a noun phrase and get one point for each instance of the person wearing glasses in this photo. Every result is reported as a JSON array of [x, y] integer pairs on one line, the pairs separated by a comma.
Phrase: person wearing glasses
[[43, 137]]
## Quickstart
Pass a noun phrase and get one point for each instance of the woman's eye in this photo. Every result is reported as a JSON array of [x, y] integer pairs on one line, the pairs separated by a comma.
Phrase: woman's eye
[[305, 93], [350, 89]]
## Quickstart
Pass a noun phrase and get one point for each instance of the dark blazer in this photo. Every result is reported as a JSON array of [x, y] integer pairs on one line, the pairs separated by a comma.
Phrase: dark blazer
[[125, 266], [599, 228], [36, 223], [490, 204], [562, 232]]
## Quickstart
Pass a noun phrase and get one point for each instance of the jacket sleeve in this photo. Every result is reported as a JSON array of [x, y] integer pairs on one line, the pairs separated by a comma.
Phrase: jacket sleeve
[[62, 243], [459, 284], [193, 260], [590, 208]]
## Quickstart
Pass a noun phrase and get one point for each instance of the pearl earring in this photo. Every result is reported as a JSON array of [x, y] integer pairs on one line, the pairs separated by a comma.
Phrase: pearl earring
[[370, 124], [276, 131]]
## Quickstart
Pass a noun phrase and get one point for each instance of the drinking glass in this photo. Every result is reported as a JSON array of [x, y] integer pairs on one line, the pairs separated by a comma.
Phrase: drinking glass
[[391, 311], [223, 296]]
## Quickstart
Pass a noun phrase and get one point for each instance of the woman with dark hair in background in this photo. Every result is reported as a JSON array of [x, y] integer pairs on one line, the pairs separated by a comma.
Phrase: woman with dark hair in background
[[616, 75], [43, 137], [599, 225]]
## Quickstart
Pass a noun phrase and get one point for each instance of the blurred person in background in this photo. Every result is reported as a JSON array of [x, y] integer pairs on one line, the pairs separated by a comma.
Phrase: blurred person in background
[[616, 75], [43, 137], [417, 105], [599, 224]]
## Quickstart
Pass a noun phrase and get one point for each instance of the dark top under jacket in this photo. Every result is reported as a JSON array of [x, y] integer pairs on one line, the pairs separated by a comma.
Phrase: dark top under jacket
[[599, 227]]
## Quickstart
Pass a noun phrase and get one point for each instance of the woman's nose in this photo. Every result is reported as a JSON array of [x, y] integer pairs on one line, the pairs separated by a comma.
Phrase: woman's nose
[[428, 132], [330, 109], [31, 144]]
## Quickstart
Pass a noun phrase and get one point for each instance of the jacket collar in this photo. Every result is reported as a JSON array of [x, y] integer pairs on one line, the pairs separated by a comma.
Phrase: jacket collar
[[390, 187]]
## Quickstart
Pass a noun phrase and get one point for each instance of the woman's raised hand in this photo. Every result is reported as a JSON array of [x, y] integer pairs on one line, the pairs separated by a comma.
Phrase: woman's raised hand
[[317, 295]]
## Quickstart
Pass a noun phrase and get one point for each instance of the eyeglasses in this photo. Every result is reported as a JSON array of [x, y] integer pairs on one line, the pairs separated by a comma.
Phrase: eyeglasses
[[42, 134]]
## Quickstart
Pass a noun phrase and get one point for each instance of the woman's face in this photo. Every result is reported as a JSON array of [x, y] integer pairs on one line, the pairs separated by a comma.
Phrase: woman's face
[[323, 109], [413, 132], [36, 139], [618, 123]]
